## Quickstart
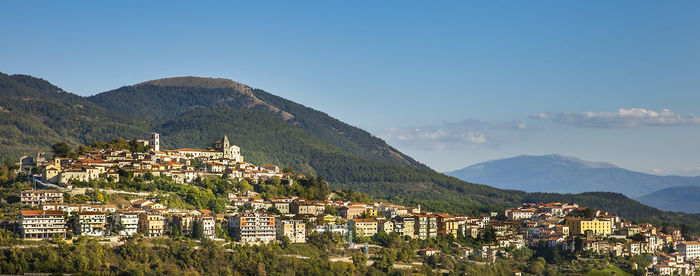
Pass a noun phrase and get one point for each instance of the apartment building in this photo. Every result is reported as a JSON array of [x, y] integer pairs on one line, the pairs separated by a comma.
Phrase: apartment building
[[579, 226], [689, 249], [426, 226], [363, 227], [125, 223], [352, 211], [37, 197], [40, 224], [208, 226], [151, 224], [91, 224], [252, 227], [405, 226], [293, 229]]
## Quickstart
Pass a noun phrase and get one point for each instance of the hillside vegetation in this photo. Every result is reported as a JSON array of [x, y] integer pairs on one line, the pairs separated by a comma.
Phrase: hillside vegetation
[[194, 112]]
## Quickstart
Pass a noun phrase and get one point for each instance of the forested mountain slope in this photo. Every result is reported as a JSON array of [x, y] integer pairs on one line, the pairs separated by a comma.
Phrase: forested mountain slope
[[167, 98], [34, 114]]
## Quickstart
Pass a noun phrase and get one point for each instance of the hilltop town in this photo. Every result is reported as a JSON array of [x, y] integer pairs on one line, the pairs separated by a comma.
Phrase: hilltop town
[[252, 217]]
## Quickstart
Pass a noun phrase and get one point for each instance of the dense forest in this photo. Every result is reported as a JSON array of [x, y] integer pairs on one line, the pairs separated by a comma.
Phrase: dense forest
[[195, 112]]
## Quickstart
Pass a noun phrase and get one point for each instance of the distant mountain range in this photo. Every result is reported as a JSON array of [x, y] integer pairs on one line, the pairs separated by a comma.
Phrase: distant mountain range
[[563, 174], [681, 199], [194, 112]]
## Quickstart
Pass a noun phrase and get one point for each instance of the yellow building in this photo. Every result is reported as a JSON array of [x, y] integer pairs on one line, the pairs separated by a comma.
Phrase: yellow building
[[327, 219], [581, 225]]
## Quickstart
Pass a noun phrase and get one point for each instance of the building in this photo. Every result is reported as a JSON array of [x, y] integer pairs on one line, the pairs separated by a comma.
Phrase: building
[[405, 226], [447, 225], [304, 207], [519, 213], [426, 226], [229, 151], [184, 224], [351, 211], [40, 224], [293, 229], [689, 249], [340, 229], [384, 225], [36, 197], [125, 223], [428, 251], [151, 224], [363, 227], [91, 224], [252, 227], [155, 141], [208, 226], [579, 226]]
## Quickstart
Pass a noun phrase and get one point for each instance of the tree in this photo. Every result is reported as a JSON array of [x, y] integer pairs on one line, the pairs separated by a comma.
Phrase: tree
[[197, 229], [62, 150]]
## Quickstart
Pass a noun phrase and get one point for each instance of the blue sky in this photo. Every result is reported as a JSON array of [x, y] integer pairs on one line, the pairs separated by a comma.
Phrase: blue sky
[[451, 83]]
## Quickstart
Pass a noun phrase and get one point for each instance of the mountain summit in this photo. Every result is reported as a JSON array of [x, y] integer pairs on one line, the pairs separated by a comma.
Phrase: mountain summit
[[564, 174]]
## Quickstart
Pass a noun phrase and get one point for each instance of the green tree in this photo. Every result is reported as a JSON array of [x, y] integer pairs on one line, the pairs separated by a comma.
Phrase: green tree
[[62, 150]]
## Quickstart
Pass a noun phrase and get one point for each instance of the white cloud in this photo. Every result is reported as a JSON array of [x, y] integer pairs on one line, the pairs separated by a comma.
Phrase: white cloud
[[633, 117], [470, 134]]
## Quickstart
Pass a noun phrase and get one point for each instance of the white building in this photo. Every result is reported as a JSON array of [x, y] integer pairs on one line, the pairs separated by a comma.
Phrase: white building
[[127, 223], [40, 224], [689, 249], [91, 224], [209, 226], [253, 227]]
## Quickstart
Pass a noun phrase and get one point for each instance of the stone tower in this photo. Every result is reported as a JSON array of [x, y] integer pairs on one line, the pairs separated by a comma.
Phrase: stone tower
[[226, 148], [155, 141]]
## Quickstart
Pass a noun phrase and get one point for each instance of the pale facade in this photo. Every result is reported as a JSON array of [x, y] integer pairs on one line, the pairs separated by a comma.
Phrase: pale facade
[[253, 227], [40, 224], [293, 229]]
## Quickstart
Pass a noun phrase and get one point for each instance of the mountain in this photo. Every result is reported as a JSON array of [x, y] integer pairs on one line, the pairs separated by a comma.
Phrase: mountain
[[34, 114], [562, 174], [681, 199], [194, 112], [167, 98]]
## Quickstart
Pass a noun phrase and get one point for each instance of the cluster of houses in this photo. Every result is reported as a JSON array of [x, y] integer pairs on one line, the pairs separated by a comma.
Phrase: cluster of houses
[[253, 219], [182, 165], [569, 226], [259, 220]]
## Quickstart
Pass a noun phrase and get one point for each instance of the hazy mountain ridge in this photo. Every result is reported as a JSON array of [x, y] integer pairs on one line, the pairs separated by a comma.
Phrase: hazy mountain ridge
[[562, 174], [681, 199]]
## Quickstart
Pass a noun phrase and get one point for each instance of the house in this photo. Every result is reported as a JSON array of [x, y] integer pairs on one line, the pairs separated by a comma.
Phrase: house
[[428, 251], [37, 197], [253, 227], [91, 224], [151, 224], [293, 229], [40, 224]]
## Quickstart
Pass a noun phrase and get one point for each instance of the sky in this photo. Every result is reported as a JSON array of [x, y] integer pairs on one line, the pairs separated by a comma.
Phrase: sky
[[450, 83]]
